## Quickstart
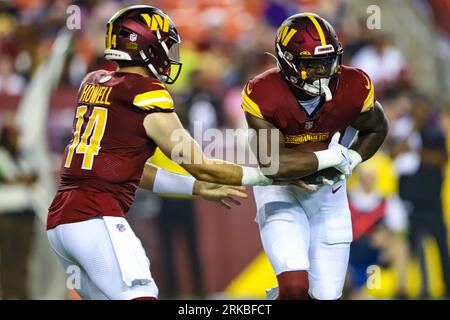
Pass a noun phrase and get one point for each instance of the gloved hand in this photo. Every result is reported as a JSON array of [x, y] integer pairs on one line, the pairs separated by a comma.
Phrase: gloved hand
[[330, 182], [355, 159], [344, 166]]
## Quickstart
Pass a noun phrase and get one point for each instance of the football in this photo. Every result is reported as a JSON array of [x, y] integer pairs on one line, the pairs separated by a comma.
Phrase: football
[[329, 173]]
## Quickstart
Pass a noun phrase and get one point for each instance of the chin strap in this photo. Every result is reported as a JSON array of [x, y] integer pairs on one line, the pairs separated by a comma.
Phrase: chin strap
[[328, 95], [318, 87]]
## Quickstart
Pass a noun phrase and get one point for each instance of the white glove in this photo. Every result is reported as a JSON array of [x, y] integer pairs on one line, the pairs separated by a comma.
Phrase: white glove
[[328, 182], [335, 156], [355, 159], [344, 165]]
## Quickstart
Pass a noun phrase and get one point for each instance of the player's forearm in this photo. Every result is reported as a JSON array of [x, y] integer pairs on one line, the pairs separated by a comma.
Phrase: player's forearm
[[162, 181], [216, 173], [297, 164], [291, 164], [227, 173], [369, 142], [148, 177]]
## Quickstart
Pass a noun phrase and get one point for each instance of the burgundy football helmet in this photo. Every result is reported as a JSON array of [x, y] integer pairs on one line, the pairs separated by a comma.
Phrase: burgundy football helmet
[[309, 53], [147, 35]]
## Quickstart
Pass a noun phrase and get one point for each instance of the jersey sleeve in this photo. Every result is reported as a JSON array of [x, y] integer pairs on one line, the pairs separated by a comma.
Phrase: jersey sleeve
[[153, 97], [367, 96], [253, 101]]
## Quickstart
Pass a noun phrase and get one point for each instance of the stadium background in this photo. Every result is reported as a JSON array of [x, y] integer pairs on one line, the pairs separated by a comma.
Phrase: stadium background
[[197, 249]]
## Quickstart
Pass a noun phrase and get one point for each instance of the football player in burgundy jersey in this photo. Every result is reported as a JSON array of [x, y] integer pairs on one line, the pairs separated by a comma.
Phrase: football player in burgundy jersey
[[120, 118], [310, 96]]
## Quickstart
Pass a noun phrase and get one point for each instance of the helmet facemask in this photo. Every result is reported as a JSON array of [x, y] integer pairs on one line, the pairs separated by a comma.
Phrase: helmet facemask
[[311, 75], [171, 61]]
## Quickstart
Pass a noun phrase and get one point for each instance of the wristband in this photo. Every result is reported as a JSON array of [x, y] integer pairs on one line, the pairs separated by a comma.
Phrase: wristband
[[328, 158], [167, 182]]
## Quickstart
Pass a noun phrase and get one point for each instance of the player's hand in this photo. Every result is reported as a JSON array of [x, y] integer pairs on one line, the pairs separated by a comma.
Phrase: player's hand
[[333, 181], [219, 193], [327, 181], [297, 182], [344, 166], [354, 158]]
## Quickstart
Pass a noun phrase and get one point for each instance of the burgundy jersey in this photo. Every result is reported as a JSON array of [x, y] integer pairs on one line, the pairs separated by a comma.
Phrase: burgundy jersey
[[269, 97], [103, 163]]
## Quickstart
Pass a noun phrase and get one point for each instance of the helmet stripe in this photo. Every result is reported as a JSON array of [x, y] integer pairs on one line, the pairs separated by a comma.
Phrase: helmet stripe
[[147, 19], [285, 34], [288, 37], [318, 27], [156, 22], [108, 39]]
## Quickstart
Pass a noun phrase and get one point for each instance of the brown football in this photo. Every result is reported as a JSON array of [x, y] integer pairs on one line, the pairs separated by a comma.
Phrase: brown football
[[329, 173]]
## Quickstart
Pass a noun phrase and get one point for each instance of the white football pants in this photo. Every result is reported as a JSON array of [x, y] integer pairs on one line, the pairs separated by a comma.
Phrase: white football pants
[[307, 231], [103, 259]]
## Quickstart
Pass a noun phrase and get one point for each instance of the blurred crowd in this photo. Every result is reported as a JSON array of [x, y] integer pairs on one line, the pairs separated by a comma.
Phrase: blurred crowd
[[396, 198]]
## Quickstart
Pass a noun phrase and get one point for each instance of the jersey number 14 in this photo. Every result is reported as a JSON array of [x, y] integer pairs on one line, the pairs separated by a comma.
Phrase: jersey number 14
[[94, 131]]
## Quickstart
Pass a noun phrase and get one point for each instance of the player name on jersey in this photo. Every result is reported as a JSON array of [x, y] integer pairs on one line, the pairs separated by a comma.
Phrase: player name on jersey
[[307, 137], [95, 94]]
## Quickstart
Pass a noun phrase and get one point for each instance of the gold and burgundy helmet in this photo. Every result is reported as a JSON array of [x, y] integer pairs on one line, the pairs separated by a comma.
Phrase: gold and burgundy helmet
[[145, 35], [309, 53]]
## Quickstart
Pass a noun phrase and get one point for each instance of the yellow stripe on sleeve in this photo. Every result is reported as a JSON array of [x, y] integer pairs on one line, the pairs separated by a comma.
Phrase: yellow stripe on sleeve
[[250, 106], [154, 99], [369, 102]]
